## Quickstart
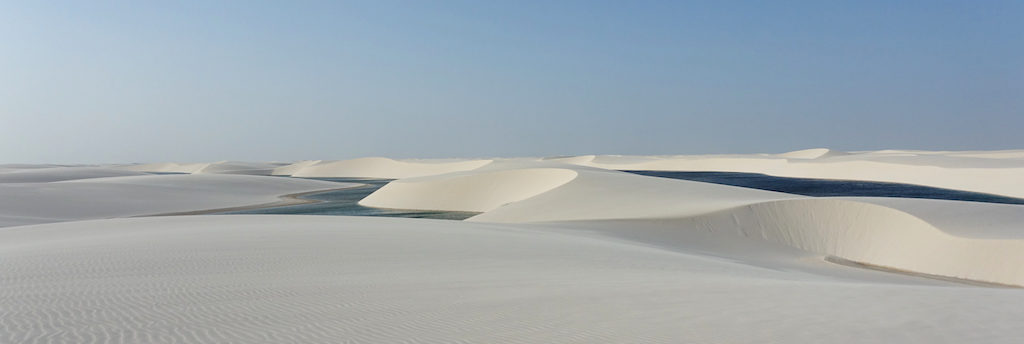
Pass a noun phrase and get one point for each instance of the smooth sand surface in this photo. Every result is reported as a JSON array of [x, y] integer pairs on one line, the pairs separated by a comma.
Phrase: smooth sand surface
[[566, 250], [93, 198], [220, 167], [56, 174], [275, 278], [378, 168]]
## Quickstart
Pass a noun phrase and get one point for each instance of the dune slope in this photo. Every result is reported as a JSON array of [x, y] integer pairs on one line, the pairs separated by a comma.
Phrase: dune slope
[[383, 168], [873, 232]]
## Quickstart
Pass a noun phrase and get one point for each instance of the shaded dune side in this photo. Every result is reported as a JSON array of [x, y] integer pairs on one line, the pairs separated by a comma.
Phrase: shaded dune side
[[870, 234], [383, 168], [476, 192]]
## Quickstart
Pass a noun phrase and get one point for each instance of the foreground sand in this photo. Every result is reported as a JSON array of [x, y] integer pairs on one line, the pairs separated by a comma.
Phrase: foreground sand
[[335, 279], [565, 250]]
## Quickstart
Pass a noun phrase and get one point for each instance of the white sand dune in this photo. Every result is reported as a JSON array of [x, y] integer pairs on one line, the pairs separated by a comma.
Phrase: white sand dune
[[477, 192], [868, 231], [220, 167], [54, 174], [168, 167], [28, 203], [343, 279], [380, 168], [18, 167], [292, 168], [813, 153]]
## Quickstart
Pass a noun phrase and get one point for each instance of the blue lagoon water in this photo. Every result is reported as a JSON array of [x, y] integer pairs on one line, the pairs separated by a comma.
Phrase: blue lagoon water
[[829, 187]]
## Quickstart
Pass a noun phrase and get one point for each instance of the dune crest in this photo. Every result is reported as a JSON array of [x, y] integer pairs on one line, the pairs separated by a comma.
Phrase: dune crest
[[477, 192], [384, 168], [292, 168], [219, 167], [866, 232], [870, 234], [813, 153]]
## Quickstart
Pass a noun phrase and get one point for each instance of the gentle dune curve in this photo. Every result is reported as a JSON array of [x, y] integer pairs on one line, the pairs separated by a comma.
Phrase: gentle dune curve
[[168, 167], [55, 174], [219, 167], [476, 192], [870, 234], [813, 153], [382, 168], [292, 168]]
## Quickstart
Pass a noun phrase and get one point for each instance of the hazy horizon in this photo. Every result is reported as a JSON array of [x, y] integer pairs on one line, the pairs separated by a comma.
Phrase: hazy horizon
[[117, 82]]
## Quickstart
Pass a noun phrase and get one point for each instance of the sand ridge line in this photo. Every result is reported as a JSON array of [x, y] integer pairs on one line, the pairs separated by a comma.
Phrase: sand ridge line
[[861, 265]]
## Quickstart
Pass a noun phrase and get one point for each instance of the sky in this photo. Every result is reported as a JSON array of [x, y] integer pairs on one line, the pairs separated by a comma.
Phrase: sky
[[149, 81]]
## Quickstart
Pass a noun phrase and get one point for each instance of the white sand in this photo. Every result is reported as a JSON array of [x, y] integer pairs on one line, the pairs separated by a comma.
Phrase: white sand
[[95, 198], [378, 168], [220, 167], [337, 279], [869, 231], [56, 174], [565, 251]]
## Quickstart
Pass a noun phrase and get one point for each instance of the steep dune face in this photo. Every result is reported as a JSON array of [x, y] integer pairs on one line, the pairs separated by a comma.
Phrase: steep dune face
[[476, 192], [384, 168]]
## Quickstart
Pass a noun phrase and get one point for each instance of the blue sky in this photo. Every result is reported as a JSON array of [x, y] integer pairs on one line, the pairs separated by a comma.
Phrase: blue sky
[[131, 81]]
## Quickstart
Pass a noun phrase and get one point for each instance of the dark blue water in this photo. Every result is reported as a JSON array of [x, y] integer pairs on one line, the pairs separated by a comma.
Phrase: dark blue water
[[826, 187], [345, 202]]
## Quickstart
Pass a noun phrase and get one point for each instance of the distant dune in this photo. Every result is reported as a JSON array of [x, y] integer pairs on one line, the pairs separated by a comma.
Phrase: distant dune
[[378, 168]]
